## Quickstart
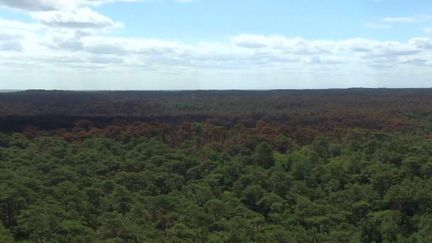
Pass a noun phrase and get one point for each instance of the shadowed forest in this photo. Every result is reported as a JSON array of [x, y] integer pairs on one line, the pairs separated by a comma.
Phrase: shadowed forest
[[216, 166]]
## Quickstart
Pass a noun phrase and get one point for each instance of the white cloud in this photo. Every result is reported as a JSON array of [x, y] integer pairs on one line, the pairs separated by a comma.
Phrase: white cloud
[[41, 5], [40, 44], [421, 43], [288, 45], [48, 5], [40, 48], [390, 22], [408, 20], [401, 20], [373, 48], [82, 18], [318, 51], [10, 46]]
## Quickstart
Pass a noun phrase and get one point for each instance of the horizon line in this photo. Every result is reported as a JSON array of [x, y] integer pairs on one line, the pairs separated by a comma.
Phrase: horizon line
[[183, 90]]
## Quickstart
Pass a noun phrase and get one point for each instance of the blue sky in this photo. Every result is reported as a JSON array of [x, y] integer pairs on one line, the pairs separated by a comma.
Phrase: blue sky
[[215, 44], [218, 19]]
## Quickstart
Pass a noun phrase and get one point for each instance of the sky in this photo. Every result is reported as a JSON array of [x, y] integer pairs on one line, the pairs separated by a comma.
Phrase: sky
[[215, 44]]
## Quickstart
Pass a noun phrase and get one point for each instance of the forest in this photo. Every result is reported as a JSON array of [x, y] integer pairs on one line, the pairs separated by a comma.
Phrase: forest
[[282, 166]]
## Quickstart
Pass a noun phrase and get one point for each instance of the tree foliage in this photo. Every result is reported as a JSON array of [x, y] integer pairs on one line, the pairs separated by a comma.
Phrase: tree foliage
[[241, 179]]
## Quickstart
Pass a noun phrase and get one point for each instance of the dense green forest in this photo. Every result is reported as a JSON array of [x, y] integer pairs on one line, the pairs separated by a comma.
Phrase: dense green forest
[[216, 166]]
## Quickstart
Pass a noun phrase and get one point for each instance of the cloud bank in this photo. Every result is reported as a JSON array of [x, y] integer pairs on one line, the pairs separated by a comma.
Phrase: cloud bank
[[70, 41]]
